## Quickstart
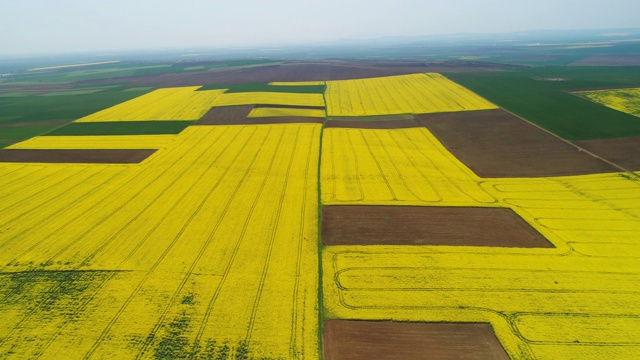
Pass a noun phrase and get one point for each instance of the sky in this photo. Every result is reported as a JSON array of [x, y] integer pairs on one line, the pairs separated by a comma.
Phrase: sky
[[29, 27]]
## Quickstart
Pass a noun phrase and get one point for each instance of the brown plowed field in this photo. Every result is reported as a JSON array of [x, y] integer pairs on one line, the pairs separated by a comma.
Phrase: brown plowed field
[[364, 340], [237, 115], [495, 143], [226, 115], [376, 124], [417, 225], [75, 156], [624, 152], [608, 60]]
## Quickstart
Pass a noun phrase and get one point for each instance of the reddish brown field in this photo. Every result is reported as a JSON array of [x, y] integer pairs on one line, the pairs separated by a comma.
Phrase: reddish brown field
[[376, 124], [416, 225], [364, 340], [225, 115], [624, 152], [75, 156], [237, 115], [494, 143]]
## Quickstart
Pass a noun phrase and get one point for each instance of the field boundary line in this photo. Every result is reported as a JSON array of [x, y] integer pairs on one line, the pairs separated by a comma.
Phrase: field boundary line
[[623, 169]]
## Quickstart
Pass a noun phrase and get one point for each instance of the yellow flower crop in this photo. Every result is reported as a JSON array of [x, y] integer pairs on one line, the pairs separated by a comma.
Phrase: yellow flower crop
[[578, 299], [210, 243], [277, 112], [182, 103], [405, 94], [625, 100]]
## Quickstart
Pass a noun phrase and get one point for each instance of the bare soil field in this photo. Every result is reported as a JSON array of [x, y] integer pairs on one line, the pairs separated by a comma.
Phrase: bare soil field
[[225, 115], [376, 124], [624, 152], [237, 115], [75, 156], [494, 143], [416, 225], [359, 340]]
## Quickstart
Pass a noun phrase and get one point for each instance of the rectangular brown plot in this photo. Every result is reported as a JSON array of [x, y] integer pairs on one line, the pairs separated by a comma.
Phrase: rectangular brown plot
[[375, 124], [364, 340], [237, 115], [623, 152], [99, 156], [495, 143], [226, 115], [302, 107], [421, 225]]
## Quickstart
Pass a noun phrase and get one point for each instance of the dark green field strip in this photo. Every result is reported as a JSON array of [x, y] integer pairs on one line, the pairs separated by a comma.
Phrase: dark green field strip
[[265, 87], [547, 105], [122, 128], [289, 107], [61, 108], [93, 156]]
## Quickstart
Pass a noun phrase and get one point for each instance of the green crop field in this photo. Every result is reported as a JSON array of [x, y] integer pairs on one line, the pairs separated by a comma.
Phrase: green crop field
[[542, 96], [121, 128]]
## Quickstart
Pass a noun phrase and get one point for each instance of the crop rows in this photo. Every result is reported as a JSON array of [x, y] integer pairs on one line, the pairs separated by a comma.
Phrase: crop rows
[[406, 94], [183, 103], [181, 244]]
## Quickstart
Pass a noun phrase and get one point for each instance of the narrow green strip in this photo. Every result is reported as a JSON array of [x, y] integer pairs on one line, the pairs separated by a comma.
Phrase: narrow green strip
[[121, 128]]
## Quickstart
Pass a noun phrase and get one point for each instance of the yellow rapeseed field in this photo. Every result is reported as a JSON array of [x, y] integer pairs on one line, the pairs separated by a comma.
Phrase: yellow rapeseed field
[[578, 300], [395, 167], [261, 112], [181, 103], [405, 94], [625, 100], [207, 248], [269, 98]]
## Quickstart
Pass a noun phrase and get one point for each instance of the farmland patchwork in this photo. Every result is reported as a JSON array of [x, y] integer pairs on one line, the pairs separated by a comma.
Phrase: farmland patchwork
[[207, 246]]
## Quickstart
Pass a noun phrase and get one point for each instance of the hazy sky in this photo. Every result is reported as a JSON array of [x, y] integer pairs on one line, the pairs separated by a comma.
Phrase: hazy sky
[[50, 26]]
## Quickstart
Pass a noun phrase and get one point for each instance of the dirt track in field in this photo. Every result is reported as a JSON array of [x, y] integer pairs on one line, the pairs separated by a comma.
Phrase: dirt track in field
[[360, 340], [237, 115], [494, 143], [75, 156], [416, 225], [624, 152], [375, 124]]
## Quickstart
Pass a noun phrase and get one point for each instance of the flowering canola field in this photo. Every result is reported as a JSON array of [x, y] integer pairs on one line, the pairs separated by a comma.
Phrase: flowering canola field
[[181, 103], [579, 300], [404, 94], [625, 100], [206, 248]]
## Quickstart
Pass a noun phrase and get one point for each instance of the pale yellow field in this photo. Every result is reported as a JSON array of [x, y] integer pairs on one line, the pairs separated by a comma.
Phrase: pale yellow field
[[579, 300], [625, 100], [405, 94], [181, 103], [269, 98], [278, 112], [210, 243]]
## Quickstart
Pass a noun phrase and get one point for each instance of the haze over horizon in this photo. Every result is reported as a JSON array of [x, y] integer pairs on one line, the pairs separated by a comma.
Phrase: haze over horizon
[[34, 27]]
